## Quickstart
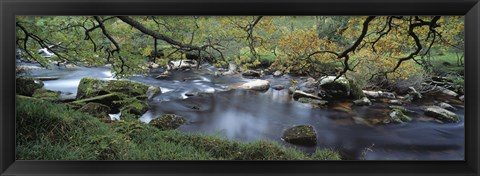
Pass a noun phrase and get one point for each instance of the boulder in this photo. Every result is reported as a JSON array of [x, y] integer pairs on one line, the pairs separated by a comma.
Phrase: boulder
[[27, 86], [301, 135], [362, 102], [447, 106], [441, 114], [168, 121], [300, 94], [340, 88], [277, 73], [153, 91], [251, 74], [96, 109], [292, 89], [278, 87], [462, 98], [45, 94], [90, 87], [379, 94], [260, 85]]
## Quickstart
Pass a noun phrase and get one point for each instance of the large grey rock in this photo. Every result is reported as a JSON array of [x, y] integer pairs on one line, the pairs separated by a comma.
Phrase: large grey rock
[[447, 91], [260, 85], [278, 87], [341, 88], [301, 135], [441, 114]]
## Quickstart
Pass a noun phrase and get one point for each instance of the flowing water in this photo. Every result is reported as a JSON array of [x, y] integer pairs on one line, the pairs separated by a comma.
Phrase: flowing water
[[245, 115]]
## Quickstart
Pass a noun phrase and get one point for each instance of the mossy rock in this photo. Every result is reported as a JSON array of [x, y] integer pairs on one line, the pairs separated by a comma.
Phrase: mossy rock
[[356, 91], [301, 135], [27, 86], [45, 94], [90, 87], [168, 121], [441, 114], [133, 106], [96, 109], [335, 89], [107, 99], [398, 116]]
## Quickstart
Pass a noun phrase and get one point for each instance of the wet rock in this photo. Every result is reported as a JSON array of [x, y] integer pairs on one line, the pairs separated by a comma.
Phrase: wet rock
[[277, 73], [164, 75], [447, 91], [168, 121], [362, 102], [133, 106], [182, 64], [301, 135], [413, 94], [27, 86], [251, 74], [260, 85], [312, 101], [441, 114], [300, 94], [45, 94], [395, 102], [397, 116], [96, 109], [90, 87], [153, 91], [340, 88], [447, 106], [379, 94], [462, 98], [278, 87]]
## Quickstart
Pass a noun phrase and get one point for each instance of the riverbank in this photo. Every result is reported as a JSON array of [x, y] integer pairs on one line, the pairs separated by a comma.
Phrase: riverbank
[[51, 131]]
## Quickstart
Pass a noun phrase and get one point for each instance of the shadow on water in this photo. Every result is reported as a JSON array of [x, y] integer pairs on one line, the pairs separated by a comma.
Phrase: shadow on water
[[250, 115]]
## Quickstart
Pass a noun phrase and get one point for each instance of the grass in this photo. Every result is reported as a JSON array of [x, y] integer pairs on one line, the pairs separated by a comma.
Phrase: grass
[[50, 131]]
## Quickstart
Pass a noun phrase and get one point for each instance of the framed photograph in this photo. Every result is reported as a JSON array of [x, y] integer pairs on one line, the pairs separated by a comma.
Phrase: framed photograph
[[239, 88]]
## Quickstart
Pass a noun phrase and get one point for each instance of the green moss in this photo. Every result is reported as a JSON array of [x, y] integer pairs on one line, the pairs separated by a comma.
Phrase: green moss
[[96, 109], [356, 91], [398, 116], [46, 94], [27, 86], [107, 99], [168, 121], [90, 87], [133, 106]]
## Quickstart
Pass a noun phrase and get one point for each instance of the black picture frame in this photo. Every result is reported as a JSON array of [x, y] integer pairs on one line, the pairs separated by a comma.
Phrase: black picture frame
[[9, 8]]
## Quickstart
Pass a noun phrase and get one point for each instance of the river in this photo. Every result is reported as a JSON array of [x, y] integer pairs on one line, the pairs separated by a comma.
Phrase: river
[[245, 115]]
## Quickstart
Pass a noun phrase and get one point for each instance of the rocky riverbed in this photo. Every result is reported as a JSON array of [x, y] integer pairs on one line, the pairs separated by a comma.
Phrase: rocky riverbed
[[337, 114]]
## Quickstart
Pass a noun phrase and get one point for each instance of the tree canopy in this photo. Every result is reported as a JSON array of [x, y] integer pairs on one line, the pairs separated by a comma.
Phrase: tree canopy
[[362, 46]]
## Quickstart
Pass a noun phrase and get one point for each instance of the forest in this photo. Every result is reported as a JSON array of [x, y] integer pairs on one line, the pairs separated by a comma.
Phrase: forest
[[240, 87]]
